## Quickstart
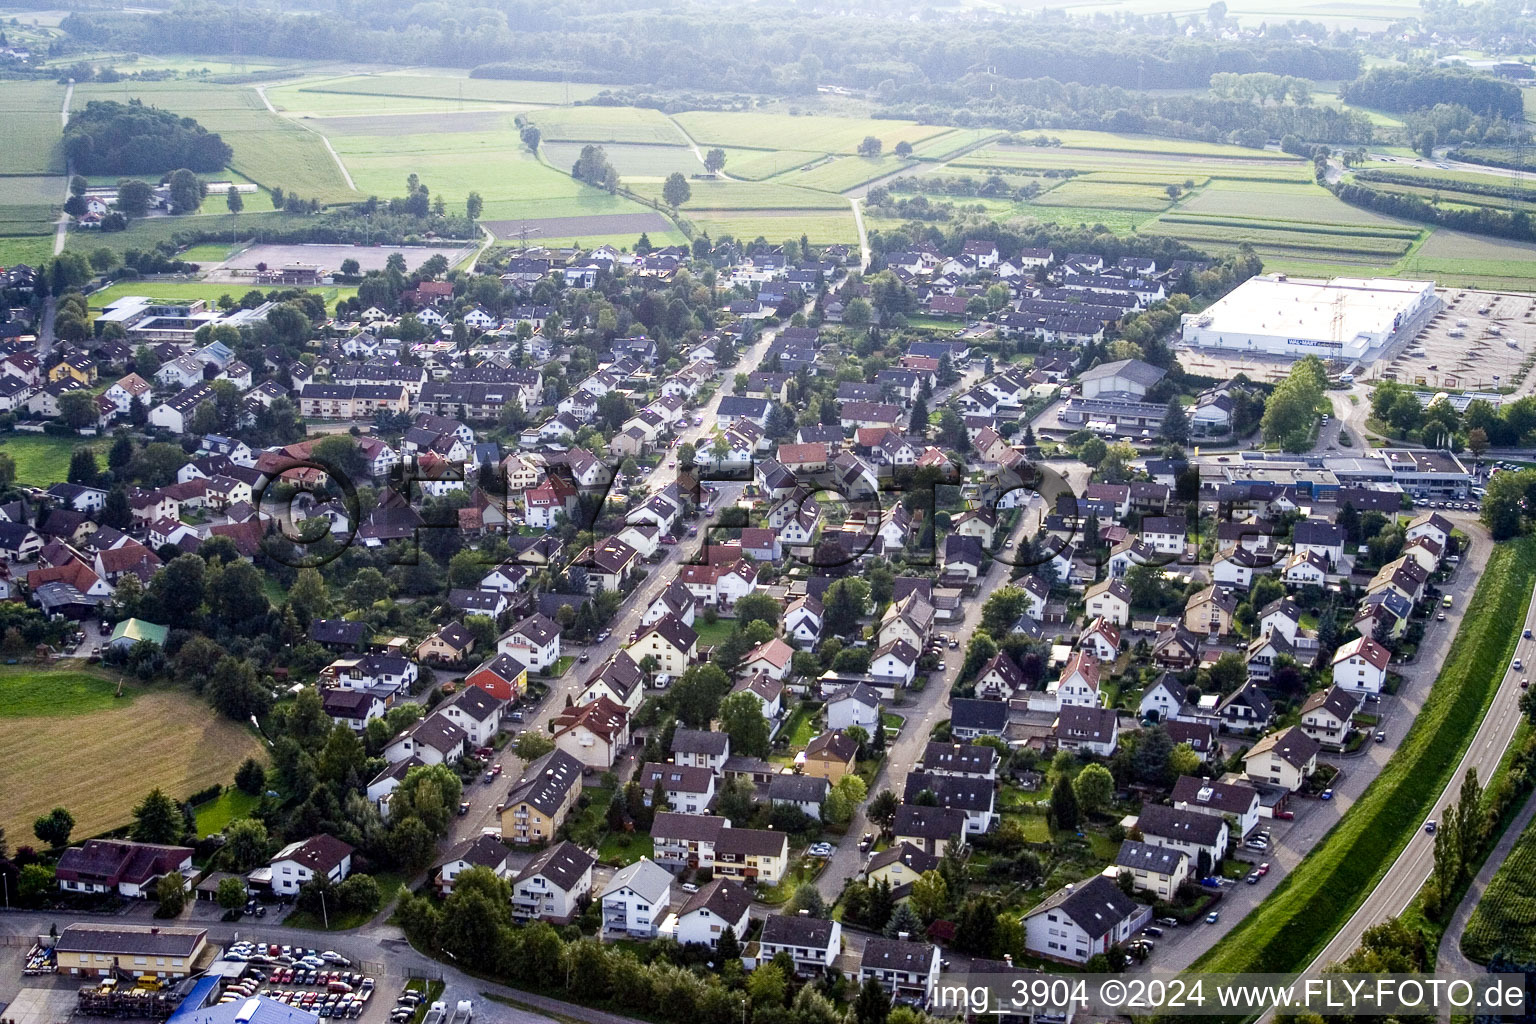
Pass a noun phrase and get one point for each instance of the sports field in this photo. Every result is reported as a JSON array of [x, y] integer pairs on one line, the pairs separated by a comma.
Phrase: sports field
[[153, 737]]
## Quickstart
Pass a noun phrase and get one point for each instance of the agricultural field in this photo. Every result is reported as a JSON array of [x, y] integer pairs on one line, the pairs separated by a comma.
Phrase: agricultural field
[[1309, 203], [449, 86], [1110, 195], [749, 195], [607, 124], [844, 173], [161, 737], [1460, 260], [1505, 918], [270, 150], [145, 233], [815, 133], [1127, 143], [633, 162], [823, 227], [1005, 157], [756, 164], [942, 147], [441, 122], [28, 249], [1326, 242], [33, 128]]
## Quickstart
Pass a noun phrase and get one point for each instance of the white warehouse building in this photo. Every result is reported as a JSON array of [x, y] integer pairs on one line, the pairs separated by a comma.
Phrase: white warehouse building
[[1276, 315]]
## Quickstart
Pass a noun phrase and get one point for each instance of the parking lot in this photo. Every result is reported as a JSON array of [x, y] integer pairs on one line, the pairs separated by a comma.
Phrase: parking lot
[[322, 982], [1478, 340]]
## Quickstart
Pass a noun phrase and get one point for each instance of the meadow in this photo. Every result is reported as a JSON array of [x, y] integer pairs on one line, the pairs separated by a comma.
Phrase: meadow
[[160, 737], [942, 147], [757, 164], [41, 459], [1112, 195], [749, 195], [823, 227], [33, 128], [1260, 167], [844, 173], [447, 85], [1460, 260], [630, 160], [1504, 920], [209, 291], [1308, 907], [607, 124]]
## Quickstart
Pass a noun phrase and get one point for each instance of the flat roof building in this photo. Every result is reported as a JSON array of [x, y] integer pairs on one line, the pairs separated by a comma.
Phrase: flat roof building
[[1276, 315]]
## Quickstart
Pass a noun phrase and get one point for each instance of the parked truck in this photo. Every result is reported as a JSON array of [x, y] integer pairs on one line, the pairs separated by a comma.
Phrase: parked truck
[[463, 1012]]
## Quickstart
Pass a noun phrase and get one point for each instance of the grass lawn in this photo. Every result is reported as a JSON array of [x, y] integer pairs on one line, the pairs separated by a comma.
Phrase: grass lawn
[[389, 888], [800, 729], [562, 663], [1036, 828], [199, 290], [27, 692], [621, 848], [801, 870], [41, 459], [231, 804], [892, 723], [1308, 907], [164, 737], [711, 633]]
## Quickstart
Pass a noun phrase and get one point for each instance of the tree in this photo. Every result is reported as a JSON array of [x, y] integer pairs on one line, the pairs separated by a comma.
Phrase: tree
[[77, 410], [246, 843], [767, 986], [844, 799], [930, 895], [714, 160], [870, 147], [728, 946], [231, 893], [675, 190], [873, 1006], [83, 468], [1064, 810], [186, 191], [531, 745], [904, 918], [7, 470], [757, 608], [807, 898], [171, 893], [1094, 787], [158, 819], [474, 205], [1176, 422], [233, 201], [134, 197], [53, 828], [903, 149], [350, 267], [741, 717], [882, 809], [359, 894], [308, 597], [412, 845]]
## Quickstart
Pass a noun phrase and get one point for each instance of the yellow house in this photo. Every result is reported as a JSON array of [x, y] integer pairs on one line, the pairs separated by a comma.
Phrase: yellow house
[[449, 644], [1210, 611], [752, 854], [900, 865], [830, 756], [75, 367], [539, 800], [99, 949]]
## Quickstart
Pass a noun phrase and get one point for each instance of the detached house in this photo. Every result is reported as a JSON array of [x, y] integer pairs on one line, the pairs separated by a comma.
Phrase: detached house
[[553, 884], [594, 733], [907, 970], [1078, 922], [720, 905], [1327, 716], [1361, 665], [1284, 759], [1154, 869], [1109, 600], [320, 856], [636, 900], [538, 802], [812, 943]]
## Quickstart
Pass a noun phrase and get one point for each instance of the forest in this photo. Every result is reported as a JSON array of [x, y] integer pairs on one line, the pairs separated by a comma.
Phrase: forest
[[108, 137], [1404, 89]]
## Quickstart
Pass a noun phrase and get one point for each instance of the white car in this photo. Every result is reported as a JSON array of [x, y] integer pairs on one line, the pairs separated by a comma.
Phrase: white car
[[330, 956]]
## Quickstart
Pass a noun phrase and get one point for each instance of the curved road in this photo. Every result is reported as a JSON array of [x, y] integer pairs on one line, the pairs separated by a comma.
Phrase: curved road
[[1408, 873]]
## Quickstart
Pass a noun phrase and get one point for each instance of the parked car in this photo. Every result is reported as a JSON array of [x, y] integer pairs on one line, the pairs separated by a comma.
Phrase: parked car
[[1253, 878], [1263, 869], [1213, 917], [1381, 737], [1152, 930], [1326, 794]]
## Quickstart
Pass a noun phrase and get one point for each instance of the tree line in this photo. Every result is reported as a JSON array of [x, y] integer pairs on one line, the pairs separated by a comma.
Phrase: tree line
[[108, 137], [1401, 89]]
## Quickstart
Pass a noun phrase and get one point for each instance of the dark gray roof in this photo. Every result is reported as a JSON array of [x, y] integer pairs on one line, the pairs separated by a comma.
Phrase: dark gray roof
[[798, 789], [914, 858], [989, 716], [928, 822], [700, 741], [475, 702], [109, 938], [545, 782], [793, 930], [480, 852], [970, 758], [895, 955], [563, 864], [1223, 797], [721, 897], [1147, 857], [960, 791], [1096, 905], [1188, 826]]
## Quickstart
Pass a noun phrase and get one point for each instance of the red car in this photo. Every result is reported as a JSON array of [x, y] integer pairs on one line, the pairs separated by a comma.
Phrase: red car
[[1285, 815], [1263, 869]]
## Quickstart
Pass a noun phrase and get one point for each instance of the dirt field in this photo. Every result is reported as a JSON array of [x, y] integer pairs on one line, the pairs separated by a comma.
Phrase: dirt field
[[575, 227], [329, 257], [169, 739]]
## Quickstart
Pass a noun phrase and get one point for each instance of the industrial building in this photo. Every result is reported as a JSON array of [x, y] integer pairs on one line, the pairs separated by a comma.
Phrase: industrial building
[[1276, 315]]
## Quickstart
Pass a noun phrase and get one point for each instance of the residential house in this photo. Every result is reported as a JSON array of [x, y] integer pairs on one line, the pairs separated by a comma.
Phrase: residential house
[[1201, 837], [720, 905], [636, 899], [1090, 730], [538, 802], [812, 943], [320, 856], [551, 888], [594, 733], [829, 756], [1078, 922], [1328, 715], [1237, 801], [128, 869], [478, 852], [907, 970], [1285, 758], [1361, 665], [1158, 870], [701, 748]]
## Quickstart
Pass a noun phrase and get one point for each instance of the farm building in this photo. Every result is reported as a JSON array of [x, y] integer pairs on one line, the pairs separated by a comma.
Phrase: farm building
[[1283, 316]]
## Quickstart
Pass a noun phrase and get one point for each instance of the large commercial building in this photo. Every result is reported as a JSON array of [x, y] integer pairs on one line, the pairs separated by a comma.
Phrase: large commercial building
[[1288, 316]]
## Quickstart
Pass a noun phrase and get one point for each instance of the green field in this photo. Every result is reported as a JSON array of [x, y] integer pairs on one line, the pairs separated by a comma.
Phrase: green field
[[144, 234], [210, 291], [607, 124], [1110, 195], [757, 164], [33, 128], [817, 134], [1004, 156], [1308, 907], [630, 160], [845, 173], [823, 227], [1460, 260], [217, 813], [942, 147], [749, 195], [30, 250], [1126, 143], [42, 460], [1301, 202], [1504, 920], [50, 693]]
